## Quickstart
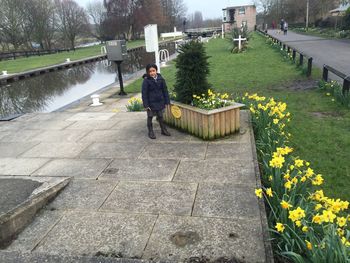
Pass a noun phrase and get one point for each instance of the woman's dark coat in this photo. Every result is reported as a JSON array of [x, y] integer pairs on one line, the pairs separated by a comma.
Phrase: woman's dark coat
[[155, 93]]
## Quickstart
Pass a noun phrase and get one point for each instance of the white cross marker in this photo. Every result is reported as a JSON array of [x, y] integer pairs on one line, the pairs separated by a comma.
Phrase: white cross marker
[[239, 39]]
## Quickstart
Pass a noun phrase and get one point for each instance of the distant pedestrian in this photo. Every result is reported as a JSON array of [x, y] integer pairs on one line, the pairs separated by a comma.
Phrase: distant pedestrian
[[285, 27], [273, 24], [154, 96], [282, 25]]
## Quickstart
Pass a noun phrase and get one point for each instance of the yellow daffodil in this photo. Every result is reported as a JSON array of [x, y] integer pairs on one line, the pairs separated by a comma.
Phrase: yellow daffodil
[[318, 207], [296, 214], [277, 162], [285, 205], [340, 232], [305, 229], [308, 245], [298, 223], [288, 185], [341, 221], [345, 242], [298, 163], [258, 192], [318, 180], [269, 192], [328, 216], [280, 227], [317, 219]]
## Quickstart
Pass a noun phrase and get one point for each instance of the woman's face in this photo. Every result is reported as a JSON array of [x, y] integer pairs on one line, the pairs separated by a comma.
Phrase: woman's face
[[152, 72]]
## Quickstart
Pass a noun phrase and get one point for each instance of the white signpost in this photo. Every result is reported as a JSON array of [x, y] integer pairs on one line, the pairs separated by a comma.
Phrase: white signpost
[[151, 39], [239, 39]]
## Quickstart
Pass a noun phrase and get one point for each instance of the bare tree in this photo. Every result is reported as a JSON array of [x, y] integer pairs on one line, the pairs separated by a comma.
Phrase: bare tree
[[11, 21], [123, 13], [40, 22], [72, 20], [98, 13], [174, 11]]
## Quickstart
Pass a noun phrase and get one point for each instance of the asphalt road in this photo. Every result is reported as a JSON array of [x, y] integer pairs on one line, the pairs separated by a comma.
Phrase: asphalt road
[[333, 52]]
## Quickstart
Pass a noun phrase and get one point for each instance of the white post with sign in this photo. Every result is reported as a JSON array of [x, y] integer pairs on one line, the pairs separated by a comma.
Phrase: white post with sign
[[151, 39]]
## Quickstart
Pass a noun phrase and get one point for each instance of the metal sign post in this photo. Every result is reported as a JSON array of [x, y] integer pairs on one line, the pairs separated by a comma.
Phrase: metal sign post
[[117, 51]]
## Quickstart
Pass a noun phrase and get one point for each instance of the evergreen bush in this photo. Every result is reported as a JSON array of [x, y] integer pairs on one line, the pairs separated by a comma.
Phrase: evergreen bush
[[192, 71]]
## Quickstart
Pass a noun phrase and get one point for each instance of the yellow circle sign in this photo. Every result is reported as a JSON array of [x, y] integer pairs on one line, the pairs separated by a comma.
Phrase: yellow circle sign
[[175, 110]]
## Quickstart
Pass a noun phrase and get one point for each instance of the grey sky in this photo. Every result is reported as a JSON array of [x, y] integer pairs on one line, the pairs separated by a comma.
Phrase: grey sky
[[209, 8]]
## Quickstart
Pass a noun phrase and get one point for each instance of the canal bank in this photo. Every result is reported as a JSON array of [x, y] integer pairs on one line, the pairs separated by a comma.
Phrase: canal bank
[[51, 91]]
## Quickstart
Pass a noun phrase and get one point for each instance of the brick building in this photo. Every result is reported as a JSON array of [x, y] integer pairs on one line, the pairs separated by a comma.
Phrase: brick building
[[237, 16]]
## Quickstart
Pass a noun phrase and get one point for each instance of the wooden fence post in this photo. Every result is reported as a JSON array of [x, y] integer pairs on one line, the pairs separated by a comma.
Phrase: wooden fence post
[[325, 73], [309, 67], [294, 55], [301, 59], [346, 85]]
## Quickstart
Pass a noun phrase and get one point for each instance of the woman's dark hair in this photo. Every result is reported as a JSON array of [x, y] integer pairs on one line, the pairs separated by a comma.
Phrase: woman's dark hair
[[149, 66]]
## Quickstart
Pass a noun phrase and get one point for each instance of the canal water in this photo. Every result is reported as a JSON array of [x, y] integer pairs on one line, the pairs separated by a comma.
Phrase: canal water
[[54, 90]]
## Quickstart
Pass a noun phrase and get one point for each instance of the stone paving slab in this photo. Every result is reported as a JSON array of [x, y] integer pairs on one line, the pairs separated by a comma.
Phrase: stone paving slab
[[92, 125], [167, 150], [226, 201], [77, 168], [152, 197], [84, 194], [96, 116], [10, 126], [14, 149], [46, 125], [90, 233], [20, 166], [229, 150], [21, 136], [113, 150], [179, 238], [16, 257], [61, 136], [225, 171], [115, 136], [130, 115], [56, 150], [40, 117], [140, 170], [44, 221], [132, 124], [3, 134]]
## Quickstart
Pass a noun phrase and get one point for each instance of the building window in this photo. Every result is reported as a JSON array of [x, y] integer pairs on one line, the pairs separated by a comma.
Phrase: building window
[[241, 11], [232, 15]]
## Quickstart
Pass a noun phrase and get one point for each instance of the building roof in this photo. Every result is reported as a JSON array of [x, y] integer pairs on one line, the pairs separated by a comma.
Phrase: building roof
[[233, 7], [340, 9]]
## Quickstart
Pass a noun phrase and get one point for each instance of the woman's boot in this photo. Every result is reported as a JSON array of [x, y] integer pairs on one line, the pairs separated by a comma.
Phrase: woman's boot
[[150, 128], [163, 128]]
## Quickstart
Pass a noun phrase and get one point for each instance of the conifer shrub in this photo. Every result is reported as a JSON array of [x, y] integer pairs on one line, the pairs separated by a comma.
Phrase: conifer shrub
[[192, 71]]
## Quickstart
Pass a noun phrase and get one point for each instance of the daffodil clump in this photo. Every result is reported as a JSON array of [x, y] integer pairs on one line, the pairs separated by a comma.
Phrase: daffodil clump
[[134, 104], [306, 225], [211, 100], [335, 91]]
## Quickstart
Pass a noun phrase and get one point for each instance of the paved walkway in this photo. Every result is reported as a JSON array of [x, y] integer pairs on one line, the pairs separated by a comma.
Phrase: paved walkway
[[175, 198], [333, 52]]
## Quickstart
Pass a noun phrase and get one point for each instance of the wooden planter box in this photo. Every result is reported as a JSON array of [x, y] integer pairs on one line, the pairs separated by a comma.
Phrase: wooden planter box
[[206, 124]]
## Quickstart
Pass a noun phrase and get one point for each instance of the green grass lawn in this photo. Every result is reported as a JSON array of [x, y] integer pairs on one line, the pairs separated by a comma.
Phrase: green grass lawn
[[23, 64], [320, 127]]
